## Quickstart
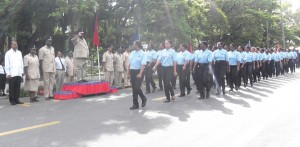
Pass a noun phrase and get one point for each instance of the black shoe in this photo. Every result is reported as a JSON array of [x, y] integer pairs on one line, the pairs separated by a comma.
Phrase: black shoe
[[51, 97], [218, 93], [251, 84], [224, 92], [201, 97], [3, 94], [144, 102], [236, 88], [174, 87], [188, 91], [161, 89], [153, 90], [167, 101], [19, 103], [147, 92], [231, 90], [13, 104], [207, 95], [134, 107], [181, 95]]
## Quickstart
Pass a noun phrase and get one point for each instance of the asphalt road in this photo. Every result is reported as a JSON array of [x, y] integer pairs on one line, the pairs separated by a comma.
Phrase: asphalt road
[[266, 115]]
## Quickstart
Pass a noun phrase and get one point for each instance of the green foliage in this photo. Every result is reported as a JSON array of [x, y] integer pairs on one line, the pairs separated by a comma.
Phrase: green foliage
[[181, 21]]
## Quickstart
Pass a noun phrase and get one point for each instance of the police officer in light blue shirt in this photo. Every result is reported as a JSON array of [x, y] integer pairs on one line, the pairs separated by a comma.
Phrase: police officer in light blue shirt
[[295, 56], [203, 70], [159, 73], [250, 60], [137, 62], [151, 58], [221, 65], [242, 71], [234, 63], [277, 61], [183, 69], [167, 59]]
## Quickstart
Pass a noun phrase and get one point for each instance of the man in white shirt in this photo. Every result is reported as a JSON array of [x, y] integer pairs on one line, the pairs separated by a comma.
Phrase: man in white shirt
[[14, 71], [61, 67]]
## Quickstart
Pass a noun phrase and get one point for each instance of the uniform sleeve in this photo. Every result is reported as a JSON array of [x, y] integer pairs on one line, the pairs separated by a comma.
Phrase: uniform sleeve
[[174, 56], [159, 57], [26, 61], [210, 57], [75, 39], [239, 58], [226, 57], [104, 57], [144, 59], [187, 56], [21, 62], [41, 54], [7, 63]]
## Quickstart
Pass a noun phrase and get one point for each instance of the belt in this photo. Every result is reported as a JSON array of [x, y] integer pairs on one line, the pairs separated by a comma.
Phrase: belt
[[60, 69]]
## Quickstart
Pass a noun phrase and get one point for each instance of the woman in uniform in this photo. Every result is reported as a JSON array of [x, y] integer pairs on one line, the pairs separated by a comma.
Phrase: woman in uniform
[[32, 73]]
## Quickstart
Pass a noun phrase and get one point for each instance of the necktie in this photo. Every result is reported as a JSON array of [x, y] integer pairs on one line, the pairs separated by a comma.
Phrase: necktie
[[63, 67]]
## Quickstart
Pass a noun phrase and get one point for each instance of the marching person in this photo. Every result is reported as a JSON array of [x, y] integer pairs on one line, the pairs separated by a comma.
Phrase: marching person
[[47, 57], [203, 70], [249, 58], [277, 62], [32, 73], [137, 62], [159, 73], [234, 63], [81, 54], [14, 72], [271, 63], [2, 76], [70, 67], [242, 71], [126, 55], [183, 69], [295, 57], [118, 67], [108, 65], [61, 67], [167, 59], [221, 66], [151, 53]]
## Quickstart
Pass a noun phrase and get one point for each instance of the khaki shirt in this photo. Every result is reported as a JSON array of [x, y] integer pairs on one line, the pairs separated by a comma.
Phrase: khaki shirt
[[32, 64], [47, 56], [119, 61], [108, 58], [70, 66], [81, 49], [126, 58]]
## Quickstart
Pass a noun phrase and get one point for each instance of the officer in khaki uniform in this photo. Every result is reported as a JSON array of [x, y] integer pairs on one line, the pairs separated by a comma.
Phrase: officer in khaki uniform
[[47, 56], [118, 67], [32, 73], [108, 65], [70, 67], [81, 53], [126, 55]]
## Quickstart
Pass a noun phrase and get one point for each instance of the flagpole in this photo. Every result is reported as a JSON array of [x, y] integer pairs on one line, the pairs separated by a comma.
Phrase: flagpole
[[98, 63]]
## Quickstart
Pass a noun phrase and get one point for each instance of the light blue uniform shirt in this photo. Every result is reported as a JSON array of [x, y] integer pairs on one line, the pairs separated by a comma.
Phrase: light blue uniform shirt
[[243, 55], [151, 55], [276, 57], [167, 57], [265, 56], [204, 56], [157, 54], [290, 55], [294, 55], [234, 57], [137, 59], [249, 57], [182, 57], [254, 56], [220, 54]]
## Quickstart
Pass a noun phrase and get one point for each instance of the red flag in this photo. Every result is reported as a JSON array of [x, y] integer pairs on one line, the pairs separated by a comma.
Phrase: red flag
[[96, 33], [190, 47]]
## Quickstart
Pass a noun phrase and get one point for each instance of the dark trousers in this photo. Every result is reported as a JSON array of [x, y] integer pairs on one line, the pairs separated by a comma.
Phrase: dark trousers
[[136, 86], [277, 67], [203, 78], [149, 77], [241, 75], [14, 89], [294, 65], [291, 65], [272, 69], [159, 74], [173, 81], [265, 69], [254, 71], [168, 74], [183, 78], [220, 71], [249, 68], [233, 77]]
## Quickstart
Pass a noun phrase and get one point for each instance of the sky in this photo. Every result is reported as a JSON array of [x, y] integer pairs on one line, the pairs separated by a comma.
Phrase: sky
[[295, 4]]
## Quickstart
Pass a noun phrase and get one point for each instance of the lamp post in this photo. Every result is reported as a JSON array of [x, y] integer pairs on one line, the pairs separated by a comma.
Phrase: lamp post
[[282, 27]]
